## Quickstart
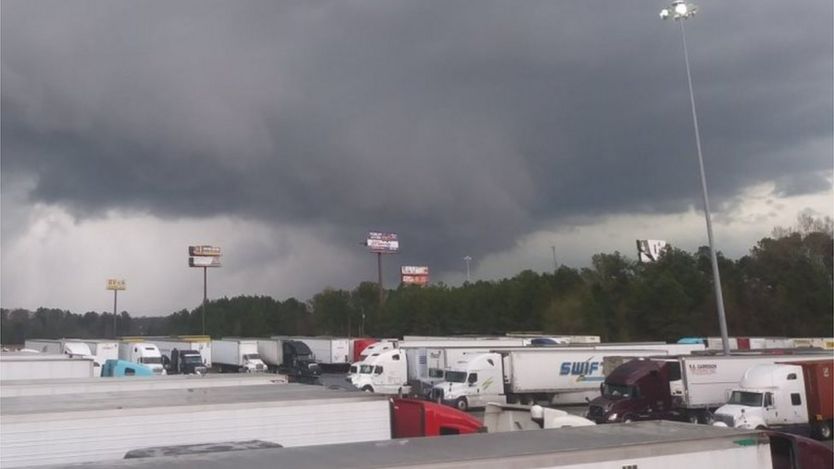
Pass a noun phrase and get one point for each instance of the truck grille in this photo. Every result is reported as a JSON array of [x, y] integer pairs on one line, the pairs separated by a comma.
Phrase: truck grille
[[727, 419], [595, 412]]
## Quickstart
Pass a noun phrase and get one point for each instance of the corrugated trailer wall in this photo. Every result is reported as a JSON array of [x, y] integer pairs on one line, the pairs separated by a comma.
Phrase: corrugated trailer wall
[[108, 425]]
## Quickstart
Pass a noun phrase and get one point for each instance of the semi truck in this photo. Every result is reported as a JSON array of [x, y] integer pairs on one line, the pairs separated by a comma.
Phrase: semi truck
[[290, 357], [288, 415], [328, 351], [119, 368], [237, 356], [38, 366], [559, 375], [642, 445], [783, 396], [677, 388], [142, 352], [184, 362], [198, 343], [405, 369]]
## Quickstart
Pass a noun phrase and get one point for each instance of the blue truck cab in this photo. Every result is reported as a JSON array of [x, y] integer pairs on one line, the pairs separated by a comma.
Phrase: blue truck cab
[[124, 368]]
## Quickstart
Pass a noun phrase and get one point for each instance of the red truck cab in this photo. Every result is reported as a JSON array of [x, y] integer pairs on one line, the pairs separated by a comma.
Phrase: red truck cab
[[413, 418]]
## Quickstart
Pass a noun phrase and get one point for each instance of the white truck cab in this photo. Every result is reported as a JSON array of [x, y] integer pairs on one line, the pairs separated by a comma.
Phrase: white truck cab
[[768, 396], [473, 381], [384, 372], [142, 352]]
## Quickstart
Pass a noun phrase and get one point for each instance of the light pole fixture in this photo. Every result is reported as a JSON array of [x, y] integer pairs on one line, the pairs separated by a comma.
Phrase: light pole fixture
[[468, 259], [679, 11]]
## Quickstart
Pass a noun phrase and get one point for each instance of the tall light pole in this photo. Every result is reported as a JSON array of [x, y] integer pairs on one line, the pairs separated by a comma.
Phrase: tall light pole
[[468, 260], [555, 265], [680, 11]]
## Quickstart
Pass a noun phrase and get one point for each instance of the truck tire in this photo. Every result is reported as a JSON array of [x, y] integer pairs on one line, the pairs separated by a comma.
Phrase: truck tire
[[461, 404], [628, 418], [367, 388]]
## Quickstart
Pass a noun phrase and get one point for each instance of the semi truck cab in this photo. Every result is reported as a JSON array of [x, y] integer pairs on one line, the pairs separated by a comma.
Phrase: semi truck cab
[[299, 360], [638, 390], [187, 362], [148, 355], [472, 382], [768, 396], [386, 373]]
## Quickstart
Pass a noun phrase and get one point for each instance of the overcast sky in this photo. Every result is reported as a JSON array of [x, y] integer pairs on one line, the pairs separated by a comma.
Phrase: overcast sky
[[283, 131]]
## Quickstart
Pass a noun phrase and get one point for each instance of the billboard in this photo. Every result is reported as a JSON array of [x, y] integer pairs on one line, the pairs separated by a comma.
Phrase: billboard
[[650, 250], [204, 250], [414, 275], [382, 242], [116, 284], [204, 256], [204, 261]]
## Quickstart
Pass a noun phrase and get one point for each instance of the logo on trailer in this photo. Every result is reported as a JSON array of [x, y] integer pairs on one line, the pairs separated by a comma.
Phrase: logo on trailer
[[581, 370]]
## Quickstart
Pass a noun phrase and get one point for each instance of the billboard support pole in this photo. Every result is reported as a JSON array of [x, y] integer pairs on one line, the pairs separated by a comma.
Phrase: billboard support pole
[[205, 291], [115, 295], [379, 269]]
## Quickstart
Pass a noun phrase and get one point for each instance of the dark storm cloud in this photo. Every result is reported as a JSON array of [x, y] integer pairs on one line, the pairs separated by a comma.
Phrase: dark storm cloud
[[459, 124]]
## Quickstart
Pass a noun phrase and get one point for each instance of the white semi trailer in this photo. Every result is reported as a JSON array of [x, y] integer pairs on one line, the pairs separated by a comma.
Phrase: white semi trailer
[[105, 426], [103, 350], [642, 445], [38, 366], [84, 386]]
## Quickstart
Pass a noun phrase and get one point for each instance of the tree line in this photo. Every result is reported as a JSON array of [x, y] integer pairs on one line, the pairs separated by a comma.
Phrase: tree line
[[783, 287]]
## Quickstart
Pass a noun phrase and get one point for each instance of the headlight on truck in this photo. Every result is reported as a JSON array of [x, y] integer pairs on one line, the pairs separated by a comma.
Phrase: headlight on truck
[[612, 417]]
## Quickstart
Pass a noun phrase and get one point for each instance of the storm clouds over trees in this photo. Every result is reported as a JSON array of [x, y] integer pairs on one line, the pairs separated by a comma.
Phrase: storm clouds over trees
[[783, 287]]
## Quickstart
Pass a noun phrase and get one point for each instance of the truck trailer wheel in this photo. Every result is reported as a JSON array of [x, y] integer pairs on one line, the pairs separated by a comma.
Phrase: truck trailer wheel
[[461, 404]]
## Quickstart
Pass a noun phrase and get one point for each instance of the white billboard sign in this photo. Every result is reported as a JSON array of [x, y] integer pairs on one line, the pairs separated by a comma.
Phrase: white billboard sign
[[383, 242], [204, 256], [414, 275], [650, 250], [414, 270]]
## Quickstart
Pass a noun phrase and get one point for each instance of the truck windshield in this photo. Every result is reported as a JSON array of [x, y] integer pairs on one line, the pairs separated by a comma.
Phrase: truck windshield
[[456, 376], [151, 360], [618, 390], [366, 369], [435, 373], [192, 359], [750, 399], [251, 356]]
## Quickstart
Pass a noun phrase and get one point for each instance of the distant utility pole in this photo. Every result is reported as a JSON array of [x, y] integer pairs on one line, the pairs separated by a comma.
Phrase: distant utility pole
[[468, 259], [555, 266], [379, 273]]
